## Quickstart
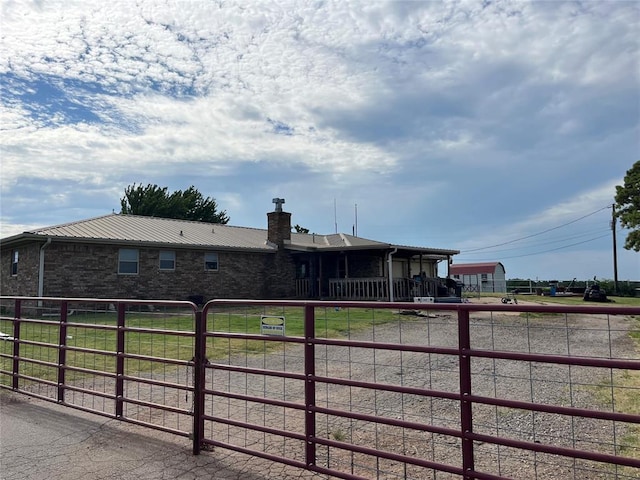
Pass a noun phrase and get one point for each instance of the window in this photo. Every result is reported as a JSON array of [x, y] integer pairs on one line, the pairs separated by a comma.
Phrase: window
[[211, 261], [14, 263], [167, 260], [484, 277], [128, 261], [302, 270], [456, 276]]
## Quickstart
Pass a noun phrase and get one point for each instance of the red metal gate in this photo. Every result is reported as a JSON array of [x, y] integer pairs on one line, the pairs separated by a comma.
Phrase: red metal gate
[[351, 390], [125, 359], [371, 390]]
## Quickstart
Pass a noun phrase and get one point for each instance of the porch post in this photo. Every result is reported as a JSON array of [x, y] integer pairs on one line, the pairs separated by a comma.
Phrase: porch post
[[320, 279], [390, 272], [313, 276]]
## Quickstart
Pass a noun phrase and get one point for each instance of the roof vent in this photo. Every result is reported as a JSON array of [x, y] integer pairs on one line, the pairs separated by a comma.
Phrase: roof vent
[[181, 234]]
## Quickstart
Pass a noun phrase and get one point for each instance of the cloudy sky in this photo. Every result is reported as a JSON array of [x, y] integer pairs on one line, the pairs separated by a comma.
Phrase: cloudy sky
[[494, 127]]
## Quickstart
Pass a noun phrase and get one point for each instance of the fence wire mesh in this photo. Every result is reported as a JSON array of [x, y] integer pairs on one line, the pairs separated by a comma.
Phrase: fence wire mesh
[[132, 363], [352, 390], [388, 380]]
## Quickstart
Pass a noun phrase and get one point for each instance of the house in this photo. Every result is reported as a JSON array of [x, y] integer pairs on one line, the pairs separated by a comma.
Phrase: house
[[128, 256], [480, 277]]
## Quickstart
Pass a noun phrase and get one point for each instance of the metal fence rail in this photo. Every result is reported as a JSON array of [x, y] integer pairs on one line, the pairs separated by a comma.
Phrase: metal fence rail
[[130, 360], [350, 389], [425, 391]]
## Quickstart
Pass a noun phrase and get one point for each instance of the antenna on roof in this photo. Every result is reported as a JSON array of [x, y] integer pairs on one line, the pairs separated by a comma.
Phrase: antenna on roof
[[355, 233]]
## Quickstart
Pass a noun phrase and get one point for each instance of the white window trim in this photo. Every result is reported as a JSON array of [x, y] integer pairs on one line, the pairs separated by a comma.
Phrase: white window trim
[[217, 262], [137, 262], [15, 258], [165, 269]]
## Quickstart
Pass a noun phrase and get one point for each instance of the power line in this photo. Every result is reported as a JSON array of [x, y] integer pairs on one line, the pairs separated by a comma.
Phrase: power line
[[555, 249], [535, 234], [551, 241]]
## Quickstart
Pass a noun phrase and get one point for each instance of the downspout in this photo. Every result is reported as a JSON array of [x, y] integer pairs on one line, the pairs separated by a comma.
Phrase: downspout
[[390, 272], [41, 268]]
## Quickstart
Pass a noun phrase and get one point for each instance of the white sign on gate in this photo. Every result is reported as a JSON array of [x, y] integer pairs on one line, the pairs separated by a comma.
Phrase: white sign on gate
[[424, 300], [271, 325]]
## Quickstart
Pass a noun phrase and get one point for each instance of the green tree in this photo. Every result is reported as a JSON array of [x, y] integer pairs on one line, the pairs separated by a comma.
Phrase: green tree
[[300, 229], [154, 201], [628, 206]]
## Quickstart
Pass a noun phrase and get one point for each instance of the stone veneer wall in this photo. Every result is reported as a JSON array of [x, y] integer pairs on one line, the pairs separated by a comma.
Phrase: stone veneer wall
[[91, 270]]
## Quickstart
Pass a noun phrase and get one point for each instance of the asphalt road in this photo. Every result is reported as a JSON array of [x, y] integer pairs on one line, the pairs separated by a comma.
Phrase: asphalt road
[[45, 441]]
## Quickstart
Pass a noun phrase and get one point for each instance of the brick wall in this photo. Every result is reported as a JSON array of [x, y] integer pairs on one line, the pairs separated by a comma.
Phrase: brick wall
[[280, 276], [26, 281], [279, 227], [365, 265], [91, 270]]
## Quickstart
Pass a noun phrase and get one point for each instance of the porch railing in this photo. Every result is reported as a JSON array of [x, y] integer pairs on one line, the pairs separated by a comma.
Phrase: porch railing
[[376, 288], [303, 287]]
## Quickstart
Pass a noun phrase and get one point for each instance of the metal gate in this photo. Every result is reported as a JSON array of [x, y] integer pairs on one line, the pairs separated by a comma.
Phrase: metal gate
[[350, 389], [124, 359]]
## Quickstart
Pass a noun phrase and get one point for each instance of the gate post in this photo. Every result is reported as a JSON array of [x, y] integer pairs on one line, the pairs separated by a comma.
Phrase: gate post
[[62, 350], [466, 408], [120, 351], [199, 379], [15, 384], [310, 385]]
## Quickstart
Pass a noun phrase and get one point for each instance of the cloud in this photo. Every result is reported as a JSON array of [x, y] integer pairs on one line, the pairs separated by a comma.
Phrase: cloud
[[447, 123]]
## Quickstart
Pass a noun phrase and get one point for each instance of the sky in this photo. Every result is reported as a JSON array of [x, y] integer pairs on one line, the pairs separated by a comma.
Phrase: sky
[[496, 128]]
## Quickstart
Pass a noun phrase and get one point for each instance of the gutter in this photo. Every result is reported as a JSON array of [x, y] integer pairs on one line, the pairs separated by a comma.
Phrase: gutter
[[41, 268], [390, 271]]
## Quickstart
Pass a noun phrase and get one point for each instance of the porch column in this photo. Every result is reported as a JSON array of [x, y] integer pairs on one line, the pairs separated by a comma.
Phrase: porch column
[[313, 276], [320, 279], [390, 272]]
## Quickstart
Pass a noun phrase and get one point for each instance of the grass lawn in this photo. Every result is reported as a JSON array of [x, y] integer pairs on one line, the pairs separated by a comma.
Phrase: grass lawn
[[569, 300], [98, 331]]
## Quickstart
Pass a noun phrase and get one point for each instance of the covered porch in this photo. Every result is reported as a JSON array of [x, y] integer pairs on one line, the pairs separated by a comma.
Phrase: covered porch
[[374, 288], [389, 274]]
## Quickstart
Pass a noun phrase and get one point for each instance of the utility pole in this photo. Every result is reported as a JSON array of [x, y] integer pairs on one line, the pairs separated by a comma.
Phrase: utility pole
[[615, 249]]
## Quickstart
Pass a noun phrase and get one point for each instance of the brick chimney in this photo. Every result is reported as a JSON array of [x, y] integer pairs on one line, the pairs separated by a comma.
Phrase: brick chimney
[[279, 223]]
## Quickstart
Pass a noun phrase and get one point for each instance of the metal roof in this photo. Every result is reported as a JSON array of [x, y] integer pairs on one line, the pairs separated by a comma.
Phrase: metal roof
[[116, 228], [313, 241], [473, 268], [342, 241], [129, 229]]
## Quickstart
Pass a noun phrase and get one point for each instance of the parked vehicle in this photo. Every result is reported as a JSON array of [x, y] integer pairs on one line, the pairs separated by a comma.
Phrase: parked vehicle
[[595, 294]]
